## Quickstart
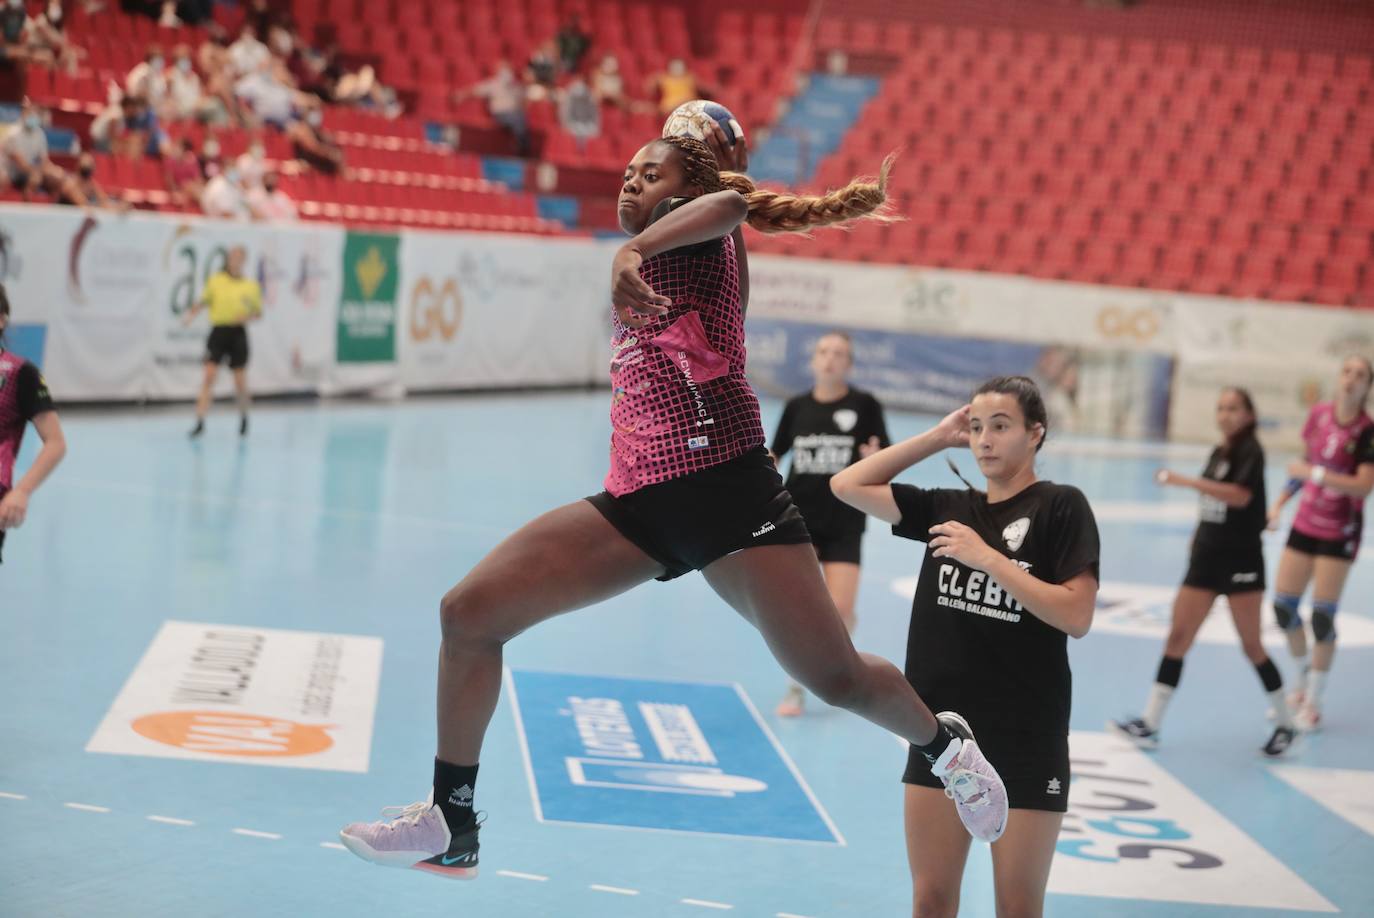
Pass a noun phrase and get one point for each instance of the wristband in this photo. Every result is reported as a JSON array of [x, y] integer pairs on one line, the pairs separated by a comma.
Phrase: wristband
[[1293, 486], [1318, 474]]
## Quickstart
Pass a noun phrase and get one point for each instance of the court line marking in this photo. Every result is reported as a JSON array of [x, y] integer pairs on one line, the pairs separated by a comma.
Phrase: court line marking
[[171, 820], [791, 765], [254, 833], [514, 874], [618, 890], [87, 807], [509, 678]]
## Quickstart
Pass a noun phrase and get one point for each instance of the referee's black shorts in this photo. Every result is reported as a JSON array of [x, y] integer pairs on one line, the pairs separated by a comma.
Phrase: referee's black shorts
[[228, 343]]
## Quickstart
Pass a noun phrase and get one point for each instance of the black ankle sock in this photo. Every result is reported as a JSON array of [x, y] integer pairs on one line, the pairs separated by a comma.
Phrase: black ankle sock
[[936, 747], [454, 786], [1269, 675], [1170, 671]]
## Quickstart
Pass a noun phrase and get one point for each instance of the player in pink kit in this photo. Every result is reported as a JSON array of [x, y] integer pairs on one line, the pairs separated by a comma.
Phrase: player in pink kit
[[24, 399], [690, 487], [1335, 477]]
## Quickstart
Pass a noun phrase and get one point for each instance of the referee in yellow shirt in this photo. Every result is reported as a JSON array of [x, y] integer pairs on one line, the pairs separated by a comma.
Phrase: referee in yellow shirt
[[233, 301]]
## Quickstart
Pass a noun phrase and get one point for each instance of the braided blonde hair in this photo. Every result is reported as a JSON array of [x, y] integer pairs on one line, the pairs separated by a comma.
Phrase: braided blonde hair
[[778, 212]]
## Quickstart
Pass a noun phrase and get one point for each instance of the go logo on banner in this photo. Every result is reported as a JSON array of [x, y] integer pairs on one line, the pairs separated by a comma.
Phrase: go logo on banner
[[435, 311]]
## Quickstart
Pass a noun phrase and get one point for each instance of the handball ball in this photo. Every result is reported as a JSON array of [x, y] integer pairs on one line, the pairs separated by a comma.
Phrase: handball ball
[[693, 119]]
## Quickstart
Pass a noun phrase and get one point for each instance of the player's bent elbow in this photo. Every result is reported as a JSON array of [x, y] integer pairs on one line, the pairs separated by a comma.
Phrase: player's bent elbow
[[1081, 624]]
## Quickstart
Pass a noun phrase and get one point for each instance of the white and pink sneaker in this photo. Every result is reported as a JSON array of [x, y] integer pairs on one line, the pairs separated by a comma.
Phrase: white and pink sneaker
[[971, 782], [415, 836]]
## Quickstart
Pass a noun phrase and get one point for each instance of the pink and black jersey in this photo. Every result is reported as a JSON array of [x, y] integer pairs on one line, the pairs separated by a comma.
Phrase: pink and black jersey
[[1325, 513], [680, 402], [23, 395]]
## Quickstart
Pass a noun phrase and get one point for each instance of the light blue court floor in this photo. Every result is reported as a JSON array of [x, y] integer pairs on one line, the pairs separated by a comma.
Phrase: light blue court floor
[[216, 654]]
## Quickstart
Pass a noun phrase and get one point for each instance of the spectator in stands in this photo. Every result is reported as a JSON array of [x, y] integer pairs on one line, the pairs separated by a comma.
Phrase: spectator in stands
[[169, 13], [281, 41], [314, 145], [185, 179], [263, 17], [92, 191], [46, 40], [252, 166], [211, 158], [578, 112], [186, 96], [267, 95], [248, 55], [223, 197], [148, 79], [146, 137], [110, 126], [674, 86], [218, 70], [608, 85], [14, 33], [269, 203], [24, 158], [572, 44], [505, 96], [541, 72], [363, 90]]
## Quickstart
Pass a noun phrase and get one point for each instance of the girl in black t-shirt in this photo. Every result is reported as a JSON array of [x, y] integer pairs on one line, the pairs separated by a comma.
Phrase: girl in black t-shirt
[[1227, 560], [826, 430], [24, 400], [1008, 575]]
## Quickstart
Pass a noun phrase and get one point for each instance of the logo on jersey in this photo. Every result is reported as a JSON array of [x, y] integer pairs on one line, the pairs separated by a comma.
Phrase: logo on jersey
[[845, 419], [1015, 534], [767, 528], [1222, 468]]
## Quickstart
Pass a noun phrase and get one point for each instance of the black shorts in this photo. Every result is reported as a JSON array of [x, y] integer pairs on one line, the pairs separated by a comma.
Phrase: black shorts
[[228, 342], [1034, 767], [1344, 549], [844, 547], [1226, 572], [688, 522]]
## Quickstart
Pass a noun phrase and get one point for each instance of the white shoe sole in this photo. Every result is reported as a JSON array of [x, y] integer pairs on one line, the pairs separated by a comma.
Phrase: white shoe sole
[[414, 860]]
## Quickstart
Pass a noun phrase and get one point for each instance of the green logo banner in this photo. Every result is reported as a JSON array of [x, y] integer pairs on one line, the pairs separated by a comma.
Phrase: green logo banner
[[367, 310]]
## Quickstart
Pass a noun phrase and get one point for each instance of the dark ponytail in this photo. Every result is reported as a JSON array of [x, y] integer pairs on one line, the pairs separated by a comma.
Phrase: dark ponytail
[[4, 310], [1246, 433]]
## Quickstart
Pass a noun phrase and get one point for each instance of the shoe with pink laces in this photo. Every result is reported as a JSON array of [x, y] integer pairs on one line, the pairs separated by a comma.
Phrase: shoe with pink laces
[[415, 836], [971, 782]]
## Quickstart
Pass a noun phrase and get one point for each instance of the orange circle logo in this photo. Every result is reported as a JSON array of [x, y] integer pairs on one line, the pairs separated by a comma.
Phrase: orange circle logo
[[229, 733]]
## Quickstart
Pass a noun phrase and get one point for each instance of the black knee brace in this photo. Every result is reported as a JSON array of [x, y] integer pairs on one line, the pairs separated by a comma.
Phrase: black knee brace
[[1324, 621], [1286, 611]]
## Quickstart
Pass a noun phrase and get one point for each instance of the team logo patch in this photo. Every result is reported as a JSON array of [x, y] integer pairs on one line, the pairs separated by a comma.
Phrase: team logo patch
[[1015, 534], [1222, 468], [845, 419]]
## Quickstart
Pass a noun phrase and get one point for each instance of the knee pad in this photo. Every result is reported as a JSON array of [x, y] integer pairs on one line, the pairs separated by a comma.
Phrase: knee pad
[[1286, 611], [1324, 621]]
